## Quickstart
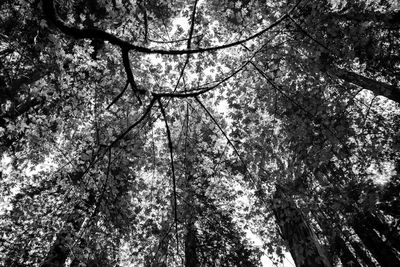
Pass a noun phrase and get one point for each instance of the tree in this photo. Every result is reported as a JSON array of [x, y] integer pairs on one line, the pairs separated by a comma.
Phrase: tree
[[162, 133]]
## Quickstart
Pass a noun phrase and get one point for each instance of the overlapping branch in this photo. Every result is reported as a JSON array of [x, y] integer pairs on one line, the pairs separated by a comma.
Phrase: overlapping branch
[[85, 33], [226, 137]]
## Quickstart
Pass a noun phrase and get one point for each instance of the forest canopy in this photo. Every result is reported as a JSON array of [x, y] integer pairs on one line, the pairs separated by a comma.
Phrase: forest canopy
[[199, 133]]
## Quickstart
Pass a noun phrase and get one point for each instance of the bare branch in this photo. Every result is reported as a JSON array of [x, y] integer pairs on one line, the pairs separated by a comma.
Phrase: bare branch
[[50, 12], [192, 24], [147, 111], [316, 120], [119, 95], [174, 41], [309, 35], [203, 90], [129, 74], [146, 26], [226, 137]]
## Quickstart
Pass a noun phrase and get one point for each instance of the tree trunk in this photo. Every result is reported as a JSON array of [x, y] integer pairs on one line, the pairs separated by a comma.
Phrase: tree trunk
[[190, 245], [361, 254], [60, 250], [303, 244], [376, 87], [381, 251], [392, 236], [159, 258], [346, 256]]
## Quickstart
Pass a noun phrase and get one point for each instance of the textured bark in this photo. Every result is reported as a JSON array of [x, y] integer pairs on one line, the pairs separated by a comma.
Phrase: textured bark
[[346, 256], [303, 244], [381, 251], [60, 250], [190, 245], [391, 234], [361, 254], [377, 87]]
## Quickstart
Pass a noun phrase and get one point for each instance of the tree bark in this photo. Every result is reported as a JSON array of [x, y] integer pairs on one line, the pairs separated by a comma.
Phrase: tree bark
[[60, 250], [381, 251], [376, 87], [303, 244], [190, 245], [346, 256], [391, 234], [361, 254]]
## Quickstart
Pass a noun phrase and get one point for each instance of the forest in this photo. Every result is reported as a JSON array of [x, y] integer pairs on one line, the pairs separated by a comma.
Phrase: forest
[[195, 133]]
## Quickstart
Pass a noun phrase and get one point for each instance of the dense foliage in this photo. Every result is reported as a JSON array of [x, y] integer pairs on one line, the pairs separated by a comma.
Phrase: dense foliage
[[199, 133]]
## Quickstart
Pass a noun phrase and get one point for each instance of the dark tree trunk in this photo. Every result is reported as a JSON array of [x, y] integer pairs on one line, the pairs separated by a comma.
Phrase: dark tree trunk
[[391, 234], [361, 254], [376, 87], [60, 250], [159, 259], [346, 256], [381, 251], [303, 244], [190, 245]]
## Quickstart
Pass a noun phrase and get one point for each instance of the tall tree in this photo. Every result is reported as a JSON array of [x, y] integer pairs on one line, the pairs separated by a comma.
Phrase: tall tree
[[177, 133]]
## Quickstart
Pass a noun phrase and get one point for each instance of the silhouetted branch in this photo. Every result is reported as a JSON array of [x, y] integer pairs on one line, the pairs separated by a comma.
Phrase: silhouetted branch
[[118, 96], [203, 90], [50, 12], [146, 112], [129, 74], [226, 137]]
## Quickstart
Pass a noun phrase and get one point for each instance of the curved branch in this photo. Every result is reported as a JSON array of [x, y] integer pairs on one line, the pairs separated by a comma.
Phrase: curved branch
[[203, 90], [147, 111], [129, 74], [50, 12]]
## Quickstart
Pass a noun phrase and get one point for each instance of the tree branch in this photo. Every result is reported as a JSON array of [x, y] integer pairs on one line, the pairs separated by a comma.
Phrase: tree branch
[[203, 90], [147, 111], [119, 95], [129, 74], [316, 120], [226, 137], [50, 12], [192, 25]]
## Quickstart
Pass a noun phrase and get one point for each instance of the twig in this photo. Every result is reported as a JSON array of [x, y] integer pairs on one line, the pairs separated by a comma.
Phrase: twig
[[201, 90], [192, 25], [174, 41], [119, 95], [146, 26], [147, 111], [226, 137], [316, 120], [309, 35]]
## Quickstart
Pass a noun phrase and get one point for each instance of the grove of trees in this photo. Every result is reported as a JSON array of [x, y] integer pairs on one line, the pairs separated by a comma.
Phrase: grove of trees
[[199, 133]]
